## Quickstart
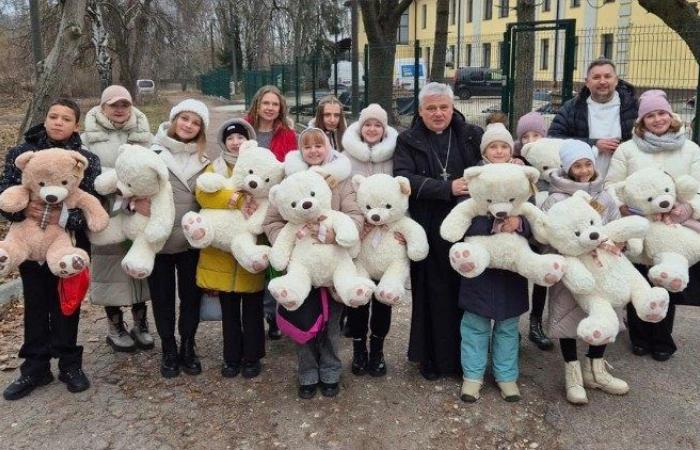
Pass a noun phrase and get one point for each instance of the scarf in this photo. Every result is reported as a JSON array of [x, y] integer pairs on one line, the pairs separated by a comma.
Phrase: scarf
[[229, 157], [652, 143]]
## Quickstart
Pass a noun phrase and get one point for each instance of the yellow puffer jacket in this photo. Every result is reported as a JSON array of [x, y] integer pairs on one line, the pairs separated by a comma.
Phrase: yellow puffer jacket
[[218, 270]]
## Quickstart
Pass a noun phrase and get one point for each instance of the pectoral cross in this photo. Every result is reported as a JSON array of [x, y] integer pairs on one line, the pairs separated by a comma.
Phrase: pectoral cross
[[445, 176]]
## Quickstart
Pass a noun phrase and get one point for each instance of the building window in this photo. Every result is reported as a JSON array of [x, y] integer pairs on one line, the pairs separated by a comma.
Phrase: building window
[[470, 10], [575, 3], [424, 22], [469, 55], [607, 46], [576, 38], [402, 32], [427, 60], [544, 55], [453, 12], [487, 55], [488, 9], [504, 9], [546, 5]]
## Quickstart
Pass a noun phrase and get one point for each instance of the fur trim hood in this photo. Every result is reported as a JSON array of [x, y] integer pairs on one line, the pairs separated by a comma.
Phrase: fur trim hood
[[380, 152], [338, 168], [98, 127], [240, 121]]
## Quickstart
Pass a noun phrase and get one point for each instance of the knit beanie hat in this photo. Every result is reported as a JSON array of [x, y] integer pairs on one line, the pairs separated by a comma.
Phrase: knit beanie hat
[[235, 128], [496, 132], [653, 100], [113, 94], [193, 106], [573, 150], [532, 121], [373, 111]]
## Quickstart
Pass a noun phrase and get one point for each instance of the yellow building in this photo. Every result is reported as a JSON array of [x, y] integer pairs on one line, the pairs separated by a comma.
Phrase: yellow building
[[647, 52]]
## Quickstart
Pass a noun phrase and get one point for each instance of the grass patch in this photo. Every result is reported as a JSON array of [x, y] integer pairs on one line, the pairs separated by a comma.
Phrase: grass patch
[[157, 110]]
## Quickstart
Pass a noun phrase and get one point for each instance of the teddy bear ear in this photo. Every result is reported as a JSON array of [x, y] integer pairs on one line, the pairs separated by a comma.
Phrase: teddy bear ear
[[357, 181], [531, 173], [272, 195], [686, 187], [526, 149], [405, 185], [247, 146], [617, 190], [472, 172], [22, 160]]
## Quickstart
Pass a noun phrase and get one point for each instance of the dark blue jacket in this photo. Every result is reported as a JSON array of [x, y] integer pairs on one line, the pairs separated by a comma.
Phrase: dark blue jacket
[[495, 294]]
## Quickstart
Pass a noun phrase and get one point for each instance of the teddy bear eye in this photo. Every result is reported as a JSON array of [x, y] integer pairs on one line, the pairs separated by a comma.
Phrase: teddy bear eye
[[488, 201], [577, 233], [128, 184], [313, 194], [388, 206], [545, 167], [267, 180], [667, 190], [64, 182], [369, 207], [591, 221], [250, 171], [42, 184], [650, 199], [511, 200], [294, 204]]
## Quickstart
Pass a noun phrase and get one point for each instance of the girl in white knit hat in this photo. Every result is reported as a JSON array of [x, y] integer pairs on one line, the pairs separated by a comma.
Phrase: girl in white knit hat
[[180, 142]]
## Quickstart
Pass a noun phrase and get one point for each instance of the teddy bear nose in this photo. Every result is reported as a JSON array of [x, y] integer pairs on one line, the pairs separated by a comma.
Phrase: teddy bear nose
[[375, 217], [500, 214], [594, 236], [253, 184], [306, 205], [51, 198], [119, 192], [664, 204]]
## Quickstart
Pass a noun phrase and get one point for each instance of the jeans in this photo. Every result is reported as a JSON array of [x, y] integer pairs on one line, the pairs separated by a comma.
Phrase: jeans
[[476, 333], [318, 359]]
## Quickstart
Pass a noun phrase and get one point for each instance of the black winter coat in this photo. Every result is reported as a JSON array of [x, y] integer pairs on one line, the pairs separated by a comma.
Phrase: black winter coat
[[495, 294], [572, 119], [36, 139], [435, 316]]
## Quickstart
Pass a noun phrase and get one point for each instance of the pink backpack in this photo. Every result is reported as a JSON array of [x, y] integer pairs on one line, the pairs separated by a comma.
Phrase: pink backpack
[[304, 323]]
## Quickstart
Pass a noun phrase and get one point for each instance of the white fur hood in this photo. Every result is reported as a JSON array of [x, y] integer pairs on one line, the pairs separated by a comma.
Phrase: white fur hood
[[98, 128], [339, 167], [380, 152]]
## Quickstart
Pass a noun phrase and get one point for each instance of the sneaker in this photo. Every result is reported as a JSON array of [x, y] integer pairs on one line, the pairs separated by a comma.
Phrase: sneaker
[[509, 391], [471, 390], [25, 384], [307, 391], [75, 379]]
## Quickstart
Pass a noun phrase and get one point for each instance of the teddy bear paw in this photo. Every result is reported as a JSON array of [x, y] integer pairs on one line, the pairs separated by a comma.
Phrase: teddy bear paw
[[286, 297], [654, 310], [464, 260], [195, 230], [5, 263], [389, 293], [256, 262], [69, 265], [359, 295], [668, 278], [554, 270], [595, 333], [136, 271]]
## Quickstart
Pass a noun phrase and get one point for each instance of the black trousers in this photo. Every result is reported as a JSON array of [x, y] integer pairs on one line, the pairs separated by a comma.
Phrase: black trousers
[[47, 332], [539, 297], [162, 286], [568, 350], [379, 323], [242, 321]]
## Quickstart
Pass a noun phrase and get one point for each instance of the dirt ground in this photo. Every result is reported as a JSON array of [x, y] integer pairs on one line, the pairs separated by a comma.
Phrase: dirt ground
[[130, 406]]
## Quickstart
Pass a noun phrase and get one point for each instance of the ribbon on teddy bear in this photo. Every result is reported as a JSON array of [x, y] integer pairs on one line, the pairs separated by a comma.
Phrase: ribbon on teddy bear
[[310, 227], [680, 214], [377, 232], [606, 246]]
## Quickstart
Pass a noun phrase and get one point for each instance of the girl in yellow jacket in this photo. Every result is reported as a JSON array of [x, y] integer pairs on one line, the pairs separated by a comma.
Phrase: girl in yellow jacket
[[240, 292]]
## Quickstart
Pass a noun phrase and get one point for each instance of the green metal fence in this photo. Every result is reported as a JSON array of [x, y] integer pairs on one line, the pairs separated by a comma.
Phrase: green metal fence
[[216, 83]]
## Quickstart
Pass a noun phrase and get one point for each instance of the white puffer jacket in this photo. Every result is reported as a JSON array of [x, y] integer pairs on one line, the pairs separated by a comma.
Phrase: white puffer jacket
[[368, 160]]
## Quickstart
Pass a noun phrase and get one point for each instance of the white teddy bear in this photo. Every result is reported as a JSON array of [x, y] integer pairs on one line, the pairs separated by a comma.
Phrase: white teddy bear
[[138, 173], [384, 199], [669, 247], [255, 172], [499, 190], [543, 155], [303, 199], [598, 275]]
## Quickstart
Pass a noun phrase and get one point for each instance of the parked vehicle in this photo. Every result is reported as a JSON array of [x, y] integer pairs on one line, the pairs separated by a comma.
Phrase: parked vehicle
[[404, 73], [145, 87], [477, 81], [345, 75]]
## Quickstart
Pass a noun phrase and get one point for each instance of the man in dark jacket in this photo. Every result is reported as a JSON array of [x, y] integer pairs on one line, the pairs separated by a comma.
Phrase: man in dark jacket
[[602, 114], [433, 154]]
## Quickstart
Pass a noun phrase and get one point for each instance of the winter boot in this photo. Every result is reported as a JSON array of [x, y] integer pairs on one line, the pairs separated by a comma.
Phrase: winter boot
[[537, 334], [376, 366], [359, 356], [189, 361], [575, 393], [509, 391], [596, 375], [139, 332], [117, 337], [471, 390], [169, 363]]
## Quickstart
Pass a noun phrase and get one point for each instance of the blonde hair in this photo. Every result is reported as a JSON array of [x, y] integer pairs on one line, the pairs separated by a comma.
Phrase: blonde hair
[[312, 136], [200, 139], [342, 125], [253, 111], [675, 126]]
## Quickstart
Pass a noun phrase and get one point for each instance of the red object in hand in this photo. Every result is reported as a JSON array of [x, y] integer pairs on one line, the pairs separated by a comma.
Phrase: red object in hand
[[72, 291]]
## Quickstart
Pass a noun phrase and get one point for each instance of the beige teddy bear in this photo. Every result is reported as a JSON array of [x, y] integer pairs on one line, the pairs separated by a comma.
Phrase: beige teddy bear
[[52, 176]]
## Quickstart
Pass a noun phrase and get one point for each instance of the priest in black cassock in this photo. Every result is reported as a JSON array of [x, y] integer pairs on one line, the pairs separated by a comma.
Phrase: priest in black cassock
[[433, 154]]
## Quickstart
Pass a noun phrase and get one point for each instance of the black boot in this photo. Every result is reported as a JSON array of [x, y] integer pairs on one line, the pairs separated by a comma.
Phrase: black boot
[[537, 334], [359, 357], [376, 366], [273, 332], [188, 358], [169, 363]]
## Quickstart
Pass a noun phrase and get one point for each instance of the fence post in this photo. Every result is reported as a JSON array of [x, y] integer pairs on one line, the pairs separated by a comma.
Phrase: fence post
[[335, 69], [416, 75], [505, 70], [366, 75], [696, 119], [296, 85], [313, 82]]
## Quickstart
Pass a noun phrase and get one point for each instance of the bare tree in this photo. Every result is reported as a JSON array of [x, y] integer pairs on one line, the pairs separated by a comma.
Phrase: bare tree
[[100, 40], [682, 17], [437, 71], [524, 84], [58, 64], [381, 19]]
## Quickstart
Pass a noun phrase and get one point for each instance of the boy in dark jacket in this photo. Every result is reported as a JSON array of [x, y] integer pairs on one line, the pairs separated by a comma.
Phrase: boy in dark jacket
[[47, 332]]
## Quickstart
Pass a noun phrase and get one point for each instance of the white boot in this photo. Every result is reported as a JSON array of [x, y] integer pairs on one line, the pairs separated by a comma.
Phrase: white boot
[[575, 393], [139, 332], [596, 375], [470, 390], [509, 390], [117, 337]]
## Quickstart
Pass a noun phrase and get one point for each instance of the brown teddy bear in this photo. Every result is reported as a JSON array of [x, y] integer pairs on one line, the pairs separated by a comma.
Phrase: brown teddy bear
[[52, 176]]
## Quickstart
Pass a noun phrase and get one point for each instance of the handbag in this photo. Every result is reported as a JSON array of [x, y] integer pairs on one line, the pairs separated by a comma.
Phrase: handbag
[[210, 308], [304, 323]]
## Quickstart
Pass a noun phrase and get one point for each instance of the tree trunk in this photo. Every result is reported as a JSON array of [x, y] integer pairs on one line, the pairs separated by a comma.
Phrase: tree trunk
[[381, 19], [524, 84], [58, 65], [100, 40], [437, 72], [682, 17]]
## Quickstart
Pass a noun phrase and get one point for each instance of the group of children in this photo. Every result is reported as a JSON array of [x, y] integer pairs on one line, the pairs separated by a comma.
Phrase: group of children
[[365, 147]]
